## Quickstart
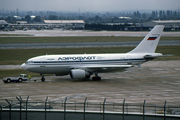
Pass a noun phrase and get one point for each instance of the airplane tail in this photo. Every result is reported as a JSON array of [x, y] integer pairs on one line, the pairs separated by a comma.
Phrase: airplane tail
[[150, 42]]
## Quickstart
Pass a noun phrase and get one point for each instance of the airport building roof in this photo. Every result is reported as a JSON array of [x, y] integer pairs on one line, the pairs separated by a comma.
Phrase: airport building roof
[[128, 18], [167, 21], [21, 22], [162, 22], [3, 22], [64, 21]]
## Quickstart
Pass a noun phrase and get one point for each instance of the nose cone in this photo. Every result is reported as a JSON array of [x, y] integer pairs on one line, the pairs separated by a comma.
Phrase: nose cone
[[23, 66]]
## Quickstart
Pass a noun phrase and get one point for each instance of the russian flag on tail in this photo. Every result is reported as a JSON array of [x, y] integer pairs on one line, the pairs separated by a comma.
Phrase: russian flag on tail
[[152, 38]]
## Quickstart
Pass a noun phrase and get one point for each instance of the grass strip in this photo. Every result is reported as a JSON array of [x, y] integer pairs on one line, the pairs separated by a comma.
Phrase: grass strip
[[75, 39], [19, 56]]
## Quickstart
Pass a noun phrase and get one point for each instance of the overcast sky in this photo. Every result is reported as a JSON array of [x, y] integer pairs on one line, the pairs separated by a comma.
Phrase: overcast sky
[[89, 5]]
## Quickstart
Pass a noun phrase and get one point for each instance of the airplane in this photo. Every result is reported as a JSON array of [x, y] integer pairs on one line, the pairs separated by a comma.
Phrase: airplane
[[82, 66]]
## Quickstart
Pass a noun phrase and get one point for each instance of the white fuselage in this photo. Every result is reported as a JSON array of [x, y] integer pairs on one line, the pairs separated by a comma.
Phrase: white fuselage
[[62, 64]]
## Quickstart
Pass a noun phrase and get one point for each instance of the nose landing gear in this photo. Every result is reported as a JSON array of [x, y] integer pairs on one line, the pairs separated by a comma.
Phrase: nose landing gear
[[42, 79]]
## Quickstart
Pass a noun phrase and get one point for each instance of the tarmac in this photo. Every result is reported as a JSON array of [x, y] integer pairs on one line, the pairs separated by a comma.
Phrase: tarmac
[[60, 32], [155, 82]]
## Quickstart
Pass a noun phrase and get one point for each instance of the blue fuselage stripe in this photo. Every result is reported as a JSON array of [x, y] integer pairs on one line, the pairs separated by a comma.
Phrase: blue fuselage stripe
[[89, 61]]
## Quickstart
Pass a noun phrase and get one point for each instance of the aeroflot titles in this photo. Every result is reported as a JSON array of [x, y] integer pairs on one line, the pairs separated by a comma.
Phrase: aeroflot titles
[[78, 58]]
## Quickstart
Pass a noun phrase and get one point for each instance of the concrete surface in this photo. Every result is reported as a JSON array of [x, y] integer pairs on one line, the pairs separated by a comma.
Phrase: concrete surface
[[59, 32], [155, 82], [80, 116]]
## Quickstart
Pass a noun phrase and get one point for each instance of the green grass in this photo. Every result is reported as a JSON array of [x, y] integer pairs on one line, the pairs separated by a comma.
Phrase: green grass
[[175, 50], [19, 56], [65, 39], [75, 39]]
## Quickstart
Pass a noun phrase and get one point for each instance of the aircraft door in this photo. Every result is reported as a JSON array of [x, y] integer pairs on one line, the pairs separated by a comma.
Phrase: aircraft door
[[129, 59], [42, 62]]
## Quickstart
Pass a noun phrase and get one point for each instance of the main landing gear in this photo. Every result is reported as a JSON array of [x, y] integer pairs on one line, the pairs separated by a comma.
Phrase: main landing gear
[[96, 77], [42, 79]]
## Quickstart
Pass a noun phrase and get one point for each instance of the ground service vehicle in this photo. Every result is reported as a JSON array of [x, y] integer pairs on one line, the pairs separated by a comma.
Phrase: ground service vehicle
[[20, 78]]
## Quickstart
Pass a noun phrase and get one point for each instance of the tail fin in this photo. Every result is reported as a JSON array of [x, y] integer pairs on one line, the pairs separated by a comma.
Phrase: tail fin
[[150, 42]]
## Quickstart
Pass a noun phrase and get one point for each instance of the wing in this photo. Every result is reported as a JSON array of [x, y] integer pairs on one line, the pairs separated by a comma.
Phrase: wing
[[102, 68]]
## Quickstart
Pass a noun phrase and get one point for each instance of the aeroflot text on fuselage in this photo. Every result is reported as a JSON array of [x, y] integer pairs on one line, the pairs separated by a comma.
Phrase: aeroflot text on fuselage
[[78, 58]]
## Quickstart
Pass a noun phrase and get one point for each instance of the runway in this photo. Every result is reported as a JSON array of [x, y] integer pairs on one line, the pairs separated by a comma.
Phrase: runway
[[80, 44], [60, 32]]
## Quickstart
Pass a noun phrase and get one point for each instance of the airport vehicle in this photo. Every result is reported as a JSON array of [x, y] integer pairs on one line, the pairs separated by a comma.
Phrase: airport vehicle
[[25, 29], [82, 66], [20, 78]]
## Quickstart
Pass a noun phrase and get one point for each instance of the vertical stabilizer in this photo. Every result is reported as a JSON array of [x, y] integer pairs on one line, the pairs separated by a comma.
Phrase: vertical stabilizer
[[150, 42]]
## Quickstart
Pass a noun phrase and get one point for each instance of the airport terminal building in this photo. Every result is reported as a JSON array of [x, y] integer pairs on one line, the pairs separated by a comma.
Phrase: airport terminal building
[[66, 24], [170, 25], [50, 24]]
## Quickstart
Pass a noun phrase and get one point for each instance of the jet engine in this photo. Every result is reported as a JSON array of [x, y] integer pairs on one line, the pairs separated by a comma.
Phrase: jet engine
[[79, 74]]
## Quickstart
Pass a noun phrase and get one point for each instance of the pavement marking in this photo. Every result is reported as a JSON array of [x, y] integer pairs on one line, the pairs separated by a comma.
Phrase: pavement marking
[[176, 68], [156, 69]]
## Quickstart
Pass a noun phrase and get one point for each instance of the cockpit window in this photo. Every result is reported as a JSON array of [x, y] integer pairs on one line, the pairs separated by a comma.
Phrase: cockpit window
[[28, 62]]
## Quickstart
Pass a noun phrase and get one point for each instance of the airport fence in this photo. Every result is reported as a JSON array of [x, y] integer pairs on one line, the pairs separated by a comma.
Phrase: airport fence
[[24, 107]]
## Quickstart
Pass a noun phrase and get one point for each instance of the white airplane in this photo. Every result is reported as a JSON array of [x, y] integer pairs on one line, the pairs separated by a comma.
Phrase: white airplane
[[82, 66]]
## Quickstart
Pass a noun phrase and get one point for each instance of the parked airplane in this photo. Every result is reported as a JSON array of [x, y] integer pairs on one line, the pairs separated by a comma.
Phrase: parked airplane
[[81, 66]]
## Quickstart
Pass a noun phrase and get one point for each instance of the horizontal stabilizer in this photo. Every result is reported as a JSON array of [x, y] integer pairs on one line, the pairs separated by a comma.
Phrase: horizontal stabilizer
[[150, 57]]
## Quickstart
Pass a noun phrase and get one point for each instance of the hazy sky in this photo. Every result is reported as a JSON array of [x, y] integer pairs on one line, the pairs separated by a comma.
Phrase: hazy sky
[[89, 5]]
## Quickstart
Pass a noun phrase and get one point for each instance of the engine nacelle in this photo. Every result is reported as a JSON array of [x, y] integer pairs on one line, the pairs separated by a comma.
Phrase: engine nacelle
[[78, 74]]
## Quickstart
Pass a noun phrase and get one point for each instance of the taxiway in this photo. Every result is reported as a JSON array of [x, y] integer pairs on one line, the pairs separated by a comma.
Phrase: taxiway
[[155, 82]]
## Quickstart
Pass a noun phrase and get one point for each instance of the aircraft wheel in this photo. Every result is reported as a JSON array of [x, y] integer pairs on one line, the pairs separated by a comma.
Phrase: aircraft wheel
[[19, 80], [8, 80], [88, 76], [96, 78], [42, 79], [99, 78]]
